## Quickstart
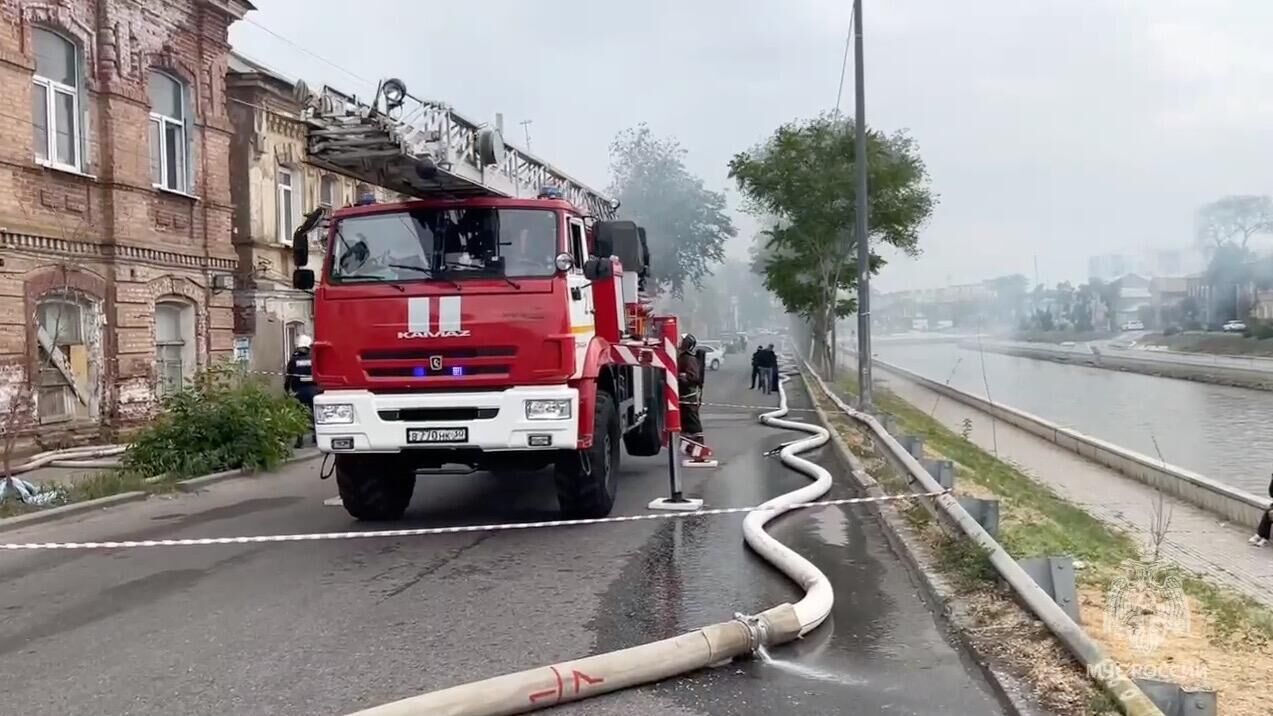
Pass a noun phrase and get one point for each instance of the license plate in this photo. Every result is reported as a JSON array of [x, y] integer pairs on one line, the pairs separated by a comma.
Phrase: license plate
[[437, 435]]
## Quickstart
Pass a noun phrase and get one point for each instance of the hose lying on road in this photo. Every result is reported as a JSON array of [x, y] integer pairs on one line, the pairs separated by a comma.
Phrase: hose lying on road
[[574, 680]]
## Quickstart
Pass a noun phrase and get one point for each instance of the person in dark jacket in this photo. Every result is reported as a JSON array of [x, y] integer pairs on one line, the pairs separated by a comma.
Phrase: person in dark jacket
[[755, 366], [1262, 530], [690, 381], [766, 375], [300, 379], [773, 366]]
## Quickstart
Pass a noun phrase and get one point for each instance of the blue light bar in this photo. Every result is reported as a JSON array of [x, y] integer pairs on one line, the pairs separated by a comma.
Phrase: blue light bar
[[457, 371], [418, 371]]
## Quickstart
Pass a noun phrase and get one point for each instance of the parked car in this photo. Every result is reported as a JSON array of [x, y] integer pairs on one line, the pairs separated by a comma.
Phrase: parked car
[[714, 354], [1133, 326], [1234, 326]]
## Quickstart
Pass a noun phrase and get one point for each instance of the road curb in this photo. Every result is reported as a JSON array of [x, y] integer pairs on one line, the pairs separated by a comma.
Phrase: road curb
[[1012, 692], [56, 513], [191, 485]]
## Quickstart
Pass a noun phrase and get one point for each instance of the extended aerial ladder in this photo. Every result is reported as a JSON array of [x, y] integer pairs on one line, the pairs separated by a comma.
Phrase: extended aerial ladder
[[422, 149]]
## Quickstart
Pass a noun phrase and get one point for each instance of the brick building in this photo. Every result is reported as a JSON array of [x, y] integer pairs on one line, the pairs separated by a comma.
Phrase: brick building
[[273, 187], [116, 261]]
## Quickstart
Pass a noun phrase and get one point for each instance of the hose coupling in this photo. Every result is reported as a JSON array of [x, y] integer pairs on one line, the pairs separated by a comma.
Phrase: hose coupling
[[757, 630]]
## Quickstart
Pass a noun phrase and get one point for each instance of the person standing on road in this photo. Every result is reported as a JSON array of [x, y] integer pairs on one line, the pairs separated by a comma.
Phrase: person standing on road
[[300, 380], [1262, 530], [767, 359], [773, 367], [755, 366], [690, 380]]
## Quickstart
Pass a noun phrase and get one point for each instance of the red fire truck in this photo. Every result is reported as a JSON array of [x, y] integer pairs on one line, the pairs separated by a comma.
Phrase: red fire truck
[[492, 319]]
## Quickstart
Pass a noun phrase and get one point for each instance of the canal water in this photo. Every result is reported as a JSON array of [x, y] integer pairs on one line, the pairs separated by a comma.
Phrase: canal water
[[1222, 432]]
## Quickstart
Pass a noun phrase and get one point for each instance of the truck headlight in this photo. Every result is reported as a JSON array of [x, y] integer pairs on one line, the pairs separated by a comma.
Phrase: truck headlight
[[547, 409], [333, 414]]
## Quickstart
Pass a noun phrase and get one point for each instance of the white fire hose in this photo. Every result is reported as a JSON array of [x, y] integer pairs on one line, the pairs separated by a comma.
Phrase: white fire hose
[[583, 678], [68, 457]]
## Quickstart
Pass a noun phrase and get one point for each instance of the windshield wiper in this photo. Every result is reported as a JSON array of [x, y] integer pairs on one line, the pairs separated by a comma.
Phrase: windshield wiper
[[482, 269], [372, 278], [430, 272]]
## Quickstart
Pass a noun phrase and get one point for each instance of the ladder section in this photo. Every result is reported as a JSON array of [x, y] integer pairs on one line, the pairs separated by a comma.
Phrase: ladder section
[[424, 149]]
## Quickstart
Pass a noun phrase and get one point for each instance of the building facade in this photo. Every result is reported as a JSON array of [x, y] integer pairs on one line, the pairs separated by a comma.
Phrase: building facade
[[115, 256], [273, 187]]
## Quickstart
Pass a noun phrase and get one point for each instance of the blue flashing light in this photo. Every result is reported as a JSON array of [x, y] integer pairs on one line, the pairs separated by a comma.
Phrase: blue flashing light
[[418, 371], [550, 192], [457, 371]]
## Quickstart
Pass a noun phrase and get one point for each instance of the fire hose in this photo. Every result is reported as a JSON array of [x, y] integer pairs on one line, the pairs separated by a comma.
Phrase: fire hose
[[69, 457], [744, 635]]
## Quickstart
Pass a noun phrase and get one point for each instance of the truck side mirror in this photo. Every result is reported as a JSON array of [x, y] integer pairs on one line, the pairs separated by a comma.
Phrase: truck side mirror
[[597, 268], [300, 238], [303, 279]]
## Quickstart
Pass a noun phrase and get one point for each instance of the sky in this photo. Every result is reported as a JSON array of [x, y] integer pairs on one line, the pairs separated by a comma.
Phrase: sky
[[1052, 130]]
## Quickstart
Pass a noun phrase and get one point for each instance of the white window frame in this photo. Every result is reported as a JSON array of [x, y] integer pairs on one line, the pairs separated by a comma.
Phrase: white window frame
[[324, 182], [163, 121], [163, 388], [52, 88], [286, 204]]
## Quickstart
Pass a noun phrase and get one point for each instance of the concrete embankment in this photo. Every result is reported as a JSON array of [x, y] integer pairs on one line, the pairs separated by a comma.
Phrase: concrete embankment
[[1126, 361], [1232, 504]]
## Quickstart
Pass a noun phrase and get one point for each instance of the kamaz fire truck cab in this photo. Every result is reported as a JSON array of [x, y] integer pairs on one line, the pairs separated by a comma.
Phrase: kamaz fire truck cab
[[467, 328]]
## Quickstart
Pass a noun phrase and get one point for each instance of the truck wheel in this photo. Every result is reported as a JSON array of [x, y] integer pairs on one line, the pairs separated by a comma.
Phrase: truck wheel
[[372, 489], [586, 493]]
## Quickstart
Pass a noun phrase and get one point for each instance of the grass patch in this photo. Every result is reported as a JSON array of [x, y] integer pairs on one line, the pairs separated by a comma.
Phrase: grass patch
[[967, 562], [1035, 521]]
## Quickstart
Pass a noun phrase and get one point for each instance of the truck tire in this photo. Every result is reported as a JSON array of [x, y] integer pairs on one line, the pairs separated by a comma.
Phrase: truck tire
[[584, 493], [374, 490]]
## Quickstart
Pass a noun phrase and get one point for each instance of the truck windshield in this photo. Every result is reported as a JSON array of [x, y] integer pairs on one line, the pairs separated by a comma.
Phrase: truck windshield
[[452, 243]]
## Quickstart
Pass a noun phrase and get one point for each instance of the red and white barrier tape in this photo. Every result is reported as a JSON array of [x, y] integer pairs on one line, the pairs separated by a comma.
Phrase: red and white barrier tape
[[423, 531]]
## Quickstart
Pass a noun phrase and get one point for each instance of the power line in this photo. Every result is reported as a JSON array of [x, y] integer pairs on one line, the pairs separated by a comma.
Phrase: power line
[[311, 53], [844, 64]]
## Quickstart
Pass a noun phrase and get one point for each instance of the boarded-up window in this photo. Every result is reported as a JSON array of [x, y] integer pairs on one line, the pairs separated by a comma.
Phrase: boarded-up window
[[63, 374]]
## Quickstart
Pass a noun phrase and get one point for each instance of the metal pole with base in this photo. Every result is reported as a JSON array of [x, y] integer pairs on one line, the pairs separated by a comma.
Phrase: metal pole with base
[[676, 501]]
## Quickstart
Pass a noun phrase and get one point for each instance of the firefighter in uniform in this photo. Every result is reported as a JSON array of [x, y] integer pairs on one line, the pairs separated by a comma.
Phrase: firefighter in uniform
[[300, 379], [690, 379]]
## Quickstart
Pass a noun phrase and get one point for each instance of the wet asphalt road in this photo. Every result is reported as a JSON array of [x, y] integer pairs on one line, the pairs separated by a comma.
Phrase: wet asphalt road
[[328, 627]]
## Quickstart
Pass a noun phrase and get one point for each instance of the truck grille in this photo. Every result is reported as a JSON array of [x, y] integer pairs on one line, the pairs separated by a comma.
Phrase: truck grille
[[459, 362], [426, 415]]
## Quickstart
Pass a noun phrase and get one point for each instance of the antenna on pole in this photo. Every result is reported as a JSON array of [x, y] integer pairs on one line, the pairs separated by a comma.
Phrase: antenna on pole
[[526, 128]]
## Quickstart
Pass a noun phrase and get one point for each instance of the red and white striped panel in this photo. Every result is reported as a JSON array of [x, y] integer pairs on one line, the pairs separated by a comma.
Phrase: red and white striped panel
[[696, 451], [630, 353]]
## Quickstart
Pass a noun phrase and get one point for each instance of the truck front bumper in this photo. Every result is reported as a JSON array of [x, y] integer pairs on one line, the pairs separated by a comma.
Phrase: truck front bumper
[[494, 420]]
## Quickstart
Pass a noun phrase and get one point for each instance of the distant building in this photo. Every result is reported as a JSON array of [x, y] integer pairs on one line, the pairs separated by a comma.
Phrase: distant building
[[1108, 267], [1133, 295]]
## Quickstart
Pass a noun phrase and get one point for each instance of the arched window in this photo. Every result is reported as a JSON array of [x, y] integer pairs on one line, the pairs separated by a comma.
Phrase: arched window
[[63, 371], [55, 99], [174, 344], [168, 132]]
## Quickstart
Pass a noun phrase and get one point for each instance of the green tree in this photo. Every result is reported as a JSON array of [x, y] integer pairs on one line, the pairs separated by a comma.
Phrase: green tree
[[686, 223], [803, 177]]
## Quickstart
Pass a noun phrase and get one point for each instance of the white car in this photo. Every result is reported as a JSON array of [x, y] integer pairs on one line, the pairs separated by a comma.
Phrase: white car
[[714, 354], [1234, 326], [1133, 326]]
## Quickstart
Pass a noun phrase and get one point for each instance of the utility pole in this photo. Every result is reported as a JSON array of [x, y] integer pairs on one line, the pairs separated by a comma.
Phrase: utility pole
[[526, 129], [860, 230]]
